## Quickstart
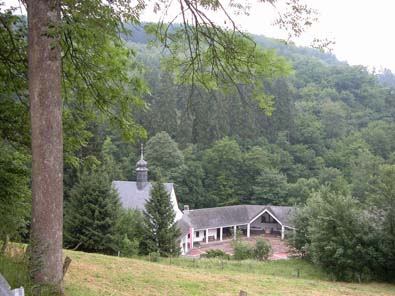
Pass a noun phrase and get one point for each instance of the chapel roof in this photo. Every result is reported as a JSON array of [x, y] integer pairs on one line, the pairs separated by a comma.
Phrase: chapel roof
[[134, 196]]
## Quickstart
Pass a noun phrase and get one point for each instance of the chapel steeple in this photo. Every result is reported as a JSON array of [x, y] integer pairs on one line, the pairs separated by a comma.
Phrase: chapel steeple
[[141, 170]]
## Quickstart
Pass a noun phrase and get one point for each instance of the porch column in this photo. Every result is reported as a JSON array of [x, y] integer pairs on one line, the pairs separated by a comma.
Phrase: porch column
[[186, 244], [248, 229], [221, 233], [282, 232], [234, 231], [191, 233], [206, 236]]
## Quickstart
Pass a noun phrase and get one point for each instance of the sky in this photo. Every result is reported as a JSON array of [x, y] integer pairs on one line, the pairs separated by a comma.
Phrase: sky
[[361, 29]]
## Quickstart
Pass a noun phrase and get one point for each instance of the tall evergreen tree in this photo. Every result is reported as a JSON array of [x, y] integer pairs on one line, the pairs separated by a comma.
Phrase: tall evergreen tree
[[161, 231], [91, 214]]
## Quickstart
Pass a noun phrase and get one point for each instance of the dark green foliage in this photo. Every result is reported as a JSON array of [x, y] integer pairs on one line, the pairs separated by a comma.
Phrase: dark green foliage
[[163, 156], [324, 115], [154, 256], [14, 127], [383, 197], [221, 164], [130, 232], [189, 185], [262, 249], [364, 168], [337, 235], [161, 232], [380, 136], [14, 110], [242, 250], [215, 253], [299, 192], [14, 191], [91, 214], [300, 240], [128, 247], [342, 239], [270, 188]]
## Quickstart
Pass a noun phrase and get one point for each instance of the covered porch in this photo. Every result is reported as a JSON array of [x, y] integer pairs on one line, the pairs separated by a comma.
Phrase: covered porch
[[210, 225], [265, 223]]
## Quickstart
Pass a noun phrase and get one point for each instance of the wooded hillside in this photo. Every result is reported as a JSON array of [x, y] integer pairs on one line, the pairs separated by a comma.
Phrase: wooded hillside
[[330, 123]]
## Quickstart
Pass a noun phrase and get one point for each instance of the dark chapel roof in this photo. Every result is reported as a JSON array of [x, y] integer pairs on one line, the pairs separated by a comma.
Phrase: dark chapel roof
[[134, 196], [232, 215]]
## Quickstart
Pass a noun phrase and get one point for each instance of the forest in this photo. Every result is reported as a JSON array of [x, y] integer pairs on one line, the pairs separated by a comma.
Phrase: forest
[[329, 123], [325, 133]]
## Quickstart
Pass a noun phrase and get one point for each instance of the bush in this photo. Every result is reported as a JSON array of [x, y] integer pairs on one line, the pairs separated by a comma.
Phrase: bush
[[242, 250], [262, 249], [129, 248], [216, 254], [339, 236], [154, 256]]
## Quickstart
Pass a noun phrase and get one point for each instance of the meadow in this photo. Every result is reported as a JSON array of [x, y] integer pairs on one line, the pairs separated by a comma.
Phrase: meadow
[[100, 275]]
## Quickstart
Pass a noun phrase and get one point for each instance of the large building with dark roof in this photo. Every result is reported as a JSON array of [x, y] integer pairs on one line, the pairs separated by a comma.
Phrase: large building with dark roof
[[210, 224], [217, 224]]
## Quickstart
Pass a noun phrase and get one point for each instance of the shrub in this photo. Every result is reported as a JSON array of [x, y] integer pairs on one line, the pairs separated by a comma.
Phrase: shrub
[[242, 250], [129, 248], [216, 254], [262, 249], [154, 256]]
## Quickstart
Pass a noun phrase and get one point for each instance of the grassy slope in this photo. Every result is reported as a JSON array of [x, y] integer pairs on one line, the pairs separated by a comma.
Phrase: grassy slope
[[93, 274], [98, 275]]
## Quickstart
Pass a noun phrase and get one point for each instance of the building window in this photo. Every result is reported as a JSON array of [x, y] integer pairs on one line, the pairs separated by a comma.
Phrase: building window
[[197, 233], [189, 236], [266, 218]]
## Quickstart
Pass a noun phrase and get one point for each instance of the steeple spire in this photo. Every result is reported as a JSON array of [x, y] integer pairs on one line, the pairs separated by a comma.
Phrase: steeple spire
[[141, 170]]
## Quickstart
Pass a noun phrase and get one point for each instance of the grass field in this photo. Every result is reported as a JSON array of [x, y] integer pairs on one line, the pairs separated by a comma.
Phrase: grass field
[[99, 275]]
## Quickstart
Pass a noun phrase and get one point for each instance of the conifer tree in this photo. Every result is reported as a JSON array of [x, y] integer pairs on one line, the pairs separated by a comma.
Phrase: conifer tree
[[91, 214], [161, 231]]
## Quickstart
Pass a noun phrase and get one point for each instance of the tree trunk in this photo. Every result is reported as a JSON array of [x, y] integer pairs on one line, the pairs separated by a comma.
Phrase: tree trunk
[[47, 143]]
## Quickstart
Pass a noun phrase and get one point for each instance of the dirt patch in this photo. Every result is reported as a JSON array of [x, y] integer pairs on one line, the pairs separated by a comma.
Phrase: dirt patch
[[279, 248]]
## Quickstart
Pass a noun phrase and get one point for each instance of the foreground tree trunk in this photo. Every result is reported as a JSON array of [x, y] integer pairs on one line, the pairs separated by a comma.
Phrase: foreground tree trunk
[[47, 143]]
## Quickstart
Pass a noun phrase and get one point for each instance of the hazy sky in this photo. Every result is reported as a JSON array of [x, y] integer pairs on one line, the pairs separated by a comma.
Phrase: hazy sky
[[362, 29]]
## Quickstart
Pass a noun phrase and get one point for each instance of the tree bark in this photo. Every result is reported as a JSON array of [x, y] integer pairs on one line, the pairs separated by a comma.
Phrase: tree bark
[[47, 143]]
